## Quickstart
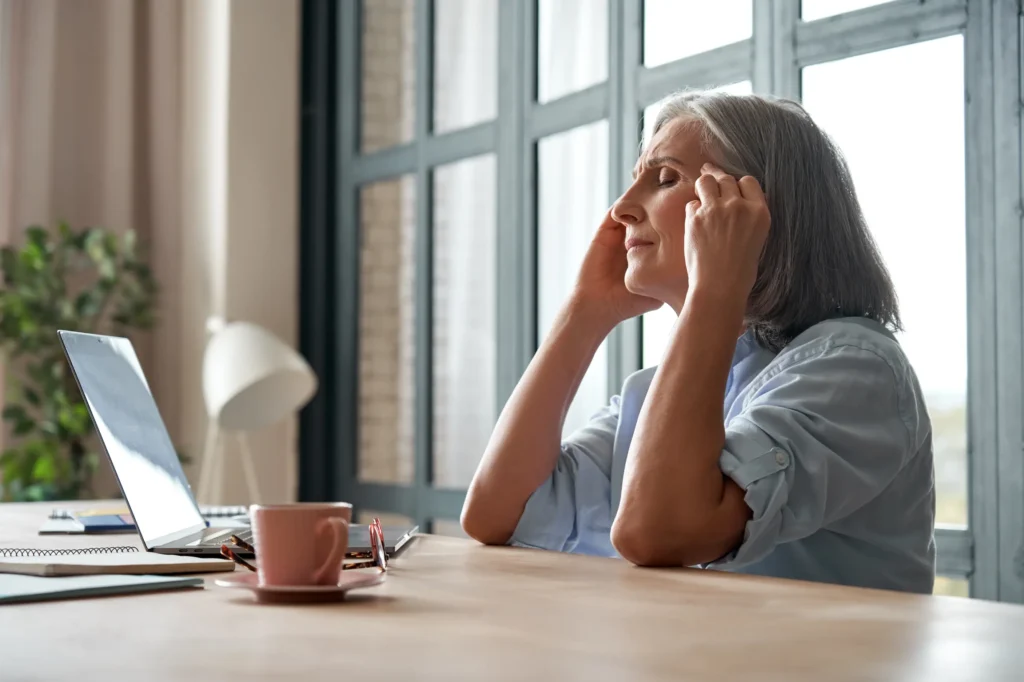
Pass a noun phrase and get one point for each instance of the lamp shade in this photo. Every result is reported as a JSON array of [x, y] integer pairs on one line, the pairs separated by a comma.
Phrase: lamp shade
[[251, 378]]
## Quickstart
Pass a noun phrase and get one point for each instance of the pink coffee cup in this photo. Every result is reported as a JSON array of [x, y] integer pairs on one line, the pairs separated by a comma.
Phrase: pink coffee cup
[[302, 543]]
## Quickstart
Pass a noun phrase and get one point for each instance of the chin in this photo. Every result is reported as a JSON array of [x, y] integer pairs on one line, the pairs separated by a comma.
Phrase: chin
[[636, 283], [645, 282]]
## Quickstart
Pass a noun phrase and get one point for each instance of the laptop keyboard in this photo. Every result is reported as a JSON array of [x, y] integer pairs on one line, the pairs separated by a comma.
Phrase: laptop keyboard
[[224, 538]]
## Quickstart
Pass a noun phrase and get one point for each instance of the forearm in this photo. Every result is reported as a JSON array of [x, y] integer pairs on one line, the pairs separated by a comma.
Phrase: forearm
[[673, 484], [526, 440]]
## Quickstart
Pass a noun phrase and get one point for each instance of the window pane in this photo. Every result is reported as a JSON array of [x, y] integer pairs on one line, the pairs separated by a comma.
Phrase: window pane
[[674, 29], [651, 112], [388, 85], [464, 324], [465, 62], [366, 516], [920, 127], [572, 46], [572, 198], [952, 587], [819, 9], [446, 527], [657, 325], [386, 331]]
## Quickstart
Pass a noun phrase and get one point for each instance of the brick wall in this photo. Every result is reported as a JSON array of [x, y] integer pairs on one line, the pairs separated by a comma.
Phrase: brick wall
[[387, 258], [463, 287]]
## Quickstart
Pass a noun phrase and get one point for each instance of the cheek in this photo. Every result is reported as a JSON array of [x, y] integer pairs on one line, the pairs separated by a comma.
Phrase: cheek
[[668, 217]]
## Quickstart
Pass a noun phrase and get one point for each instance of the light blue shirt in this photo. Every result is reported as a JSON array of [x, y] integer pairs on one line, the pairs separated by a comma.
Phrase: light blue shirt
[[830, 441]]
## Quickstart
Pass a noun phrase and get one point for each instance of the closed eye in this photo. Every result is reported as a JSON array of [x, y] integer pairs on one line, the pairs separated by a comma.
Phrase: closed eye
[[667, 179]]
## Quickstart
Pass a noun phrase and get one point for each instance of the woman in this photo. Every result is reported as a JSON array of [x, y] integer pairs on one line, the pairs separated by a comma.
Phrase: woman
[[743, 218]]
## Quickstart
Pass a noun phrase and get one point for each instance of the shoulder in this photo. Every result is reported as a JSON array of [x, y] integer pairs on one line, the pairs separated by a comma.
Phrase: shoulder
[[844, 345], [851, 369]]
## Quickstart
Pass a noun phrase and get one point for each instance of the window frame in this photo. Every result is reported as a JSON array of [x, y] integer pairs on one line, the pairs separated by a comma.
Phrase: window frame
[[988, 552]]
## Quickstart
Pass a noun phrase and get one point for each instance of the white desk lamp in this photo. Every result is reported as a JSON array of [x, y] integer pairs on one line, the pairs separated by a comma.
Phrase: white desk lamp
[[251, 379]]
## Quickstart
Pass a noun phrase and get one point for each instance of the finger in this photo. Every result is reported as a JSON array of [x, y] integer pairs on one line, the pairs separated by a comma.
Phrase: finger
[[726, 183], [707, 189], [750, 188], [691, 209]]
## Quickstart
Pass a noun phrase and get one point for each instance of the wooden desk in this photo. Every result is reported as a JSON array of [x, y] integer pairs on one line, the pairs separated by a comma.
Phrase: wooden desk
[[453, 610]]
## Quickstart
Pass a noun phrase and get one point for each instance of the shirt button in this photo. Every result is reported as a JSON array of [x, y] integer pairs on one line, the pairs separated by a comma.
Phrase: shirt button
[[780, 457]]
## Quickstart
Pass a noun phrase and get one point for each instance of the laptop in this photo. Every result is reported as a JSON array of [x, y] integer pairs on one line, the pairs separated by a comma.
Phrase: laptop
[[144, 460]]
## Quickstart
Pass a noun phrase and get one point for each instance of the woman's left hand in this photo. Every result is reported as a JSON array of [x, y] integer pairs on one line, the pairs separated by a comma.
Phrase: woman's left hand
[[725, 233]]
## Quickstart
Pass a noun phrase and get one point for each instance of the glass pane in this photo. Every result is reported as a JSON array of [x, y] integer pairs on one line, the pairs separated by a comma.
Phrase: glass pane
[[952, 587], [366, 516], [651, 111], [465, 62], [819, 9], [387, 343], [674, 29], [572, 199], [920, 127], [572, 46], [446, 527], [388, 84], [657, 325], [464, 317]]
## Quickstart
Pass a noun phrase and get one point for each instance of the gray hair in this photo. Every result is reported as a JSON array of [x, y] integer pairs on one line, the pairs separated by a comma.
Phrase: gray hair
[[819, 261]]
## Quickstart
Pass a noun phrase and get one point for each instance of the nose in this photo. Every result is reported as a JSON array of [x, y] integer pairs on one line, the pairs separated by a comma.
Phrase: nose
[[627, 211]]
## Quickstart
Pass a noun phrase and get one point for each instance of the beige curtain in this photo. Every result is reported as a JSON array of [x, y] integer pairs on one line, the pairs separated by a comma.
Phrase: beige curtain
[[178, 118], [90, 132]]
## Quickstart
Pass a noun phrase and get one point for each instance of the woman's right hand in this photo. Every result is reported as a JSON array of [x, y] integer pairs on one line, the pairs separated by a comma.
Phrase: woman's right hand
[[600, 285]]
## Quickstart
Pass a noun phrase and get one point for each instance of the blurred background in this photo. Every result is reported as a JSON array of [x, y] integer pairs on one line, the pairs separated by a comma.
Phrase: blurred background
[[402, 190]]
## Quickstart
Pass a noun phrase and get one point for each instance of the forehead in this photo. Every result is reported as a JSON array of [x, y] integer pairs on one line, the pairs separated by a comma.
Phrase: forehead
[[680, 138]]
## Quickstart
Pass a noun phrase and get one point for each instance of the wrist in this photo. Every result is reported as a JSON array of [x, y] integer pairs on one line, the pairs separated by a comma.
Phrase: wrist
[[719, 302], [589, 317]]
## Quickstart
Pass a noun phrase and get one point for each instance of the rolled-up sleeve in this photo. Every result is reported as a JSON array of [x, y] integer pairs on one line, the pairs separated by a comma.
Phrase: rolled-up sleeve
[[820, 439], [571, 510]]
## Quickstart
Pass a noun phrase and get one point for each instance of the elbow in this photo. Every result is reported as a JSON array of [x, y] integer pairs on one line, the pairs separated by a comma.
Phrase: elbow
[[655, 545], [638, 545], [478, 523]]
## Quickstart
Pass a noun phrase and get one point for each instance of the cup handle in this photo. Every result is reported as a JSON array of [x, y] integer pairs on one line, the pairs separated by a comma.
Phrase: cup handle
[[339, 543]]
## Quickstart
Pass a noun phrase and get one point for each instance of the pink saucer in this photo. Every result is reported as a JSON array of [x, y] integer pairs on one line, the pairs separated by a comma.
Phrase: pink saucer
[[303, 594]]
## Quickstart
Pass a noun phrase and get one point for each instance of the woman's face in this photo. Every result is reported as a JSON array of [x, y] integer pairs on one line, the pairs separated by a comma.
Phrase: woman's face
[[653, 210]]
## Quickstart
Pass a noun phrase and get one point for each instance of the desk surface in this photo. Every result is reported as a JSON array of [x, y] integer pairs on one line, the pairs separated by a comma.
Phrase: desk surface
[[454, 610]]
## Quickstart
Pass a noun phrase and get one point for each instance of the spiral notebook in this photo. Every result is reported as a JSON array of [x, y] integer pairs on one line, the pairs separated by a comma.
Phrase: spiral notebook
[[118, 519], [103, 560]]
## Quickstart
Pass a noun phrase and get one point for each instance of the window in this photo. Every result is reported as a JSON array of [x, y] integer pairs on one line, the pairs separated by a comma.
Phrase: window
[[921, 126], [721, 23], [657, 325], [570, 205], [464, 252], [571, 60], [478, 143], [820, 9]]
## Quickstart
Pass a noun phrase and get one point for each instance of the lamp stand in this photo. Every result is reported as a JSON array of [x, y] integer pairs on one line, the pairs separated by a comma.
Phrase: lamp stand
[[211, 476], [212, 464], [248, 468]]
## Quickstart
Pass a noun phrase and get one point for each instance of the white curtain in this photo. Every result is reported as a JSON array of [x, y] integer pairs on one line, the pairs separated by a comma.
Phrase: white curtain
[[572, 174], [465, 227]]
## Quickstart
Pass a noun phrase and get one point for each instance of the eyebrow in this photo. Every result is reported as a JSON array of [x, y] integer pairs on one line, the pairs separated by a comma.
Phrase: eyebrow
[[660, 160]]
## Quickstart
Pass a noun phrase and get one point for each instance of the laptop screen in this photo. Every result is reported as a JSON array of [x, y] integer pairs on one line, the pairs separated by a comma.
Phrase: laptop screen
[[133, 434]]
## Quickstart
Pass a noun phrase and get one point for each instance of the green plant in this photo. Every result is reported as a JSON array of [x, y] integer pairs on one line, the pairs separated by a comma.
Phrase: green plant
[[87, 280]]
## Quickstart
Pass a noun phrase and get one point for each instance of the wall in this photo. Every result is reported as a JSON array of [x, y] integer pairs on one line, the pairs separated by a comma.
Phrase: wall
[[180, 119], [261, 256], [241, 257]]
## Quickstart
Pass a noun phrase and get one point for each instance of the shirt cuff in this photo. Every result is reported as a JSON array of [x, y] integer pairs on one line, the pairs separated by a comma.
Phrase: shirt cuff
[[758, 465]]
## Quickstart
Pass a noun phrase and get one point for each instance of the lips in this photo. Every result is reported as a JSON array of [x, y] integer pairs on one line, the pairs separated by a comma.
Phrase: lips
[[634, 242]]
